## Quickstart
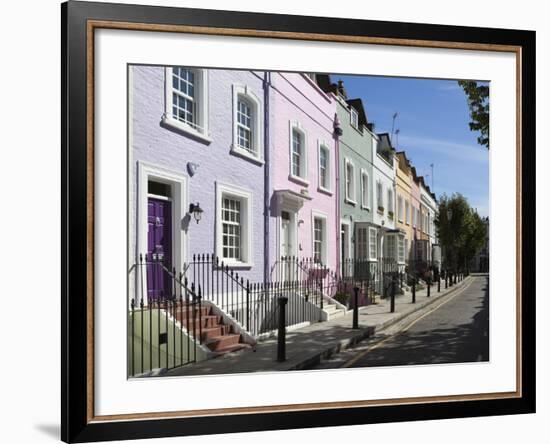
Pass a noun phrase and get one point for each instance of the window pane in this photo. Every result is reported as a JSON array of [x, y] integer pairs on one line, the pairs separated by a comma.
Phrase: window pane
[[323, 155], [349, 181], [372, 243], [231, 228], [296, 153], [318, 239], [183, 95]]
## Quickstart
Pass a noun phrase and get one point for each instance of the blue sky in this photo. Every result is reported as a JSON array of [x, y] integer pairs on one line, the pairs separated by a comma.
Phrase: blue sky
[[433, 127]]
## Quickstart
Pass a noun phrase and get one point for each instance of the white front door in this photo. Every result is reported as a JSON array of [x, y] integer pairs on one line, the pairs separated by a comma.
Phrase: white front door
[[287, 250]]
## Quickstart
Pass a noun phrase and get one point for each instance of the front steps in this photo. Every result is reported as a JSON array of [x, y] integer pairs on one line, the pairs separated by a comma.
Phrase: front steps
[[218, 337], [332, 310]]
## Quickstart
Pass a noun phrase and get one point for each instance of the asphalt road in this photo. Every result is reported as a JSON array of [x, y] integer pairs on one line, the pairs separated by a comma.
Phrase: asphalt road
[[457, 331]]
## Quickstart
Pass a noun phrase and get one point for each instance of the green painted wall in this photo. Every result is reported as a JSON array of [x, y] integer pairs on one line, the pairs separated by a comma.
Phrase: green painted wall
[[178, 349], [357, 146]]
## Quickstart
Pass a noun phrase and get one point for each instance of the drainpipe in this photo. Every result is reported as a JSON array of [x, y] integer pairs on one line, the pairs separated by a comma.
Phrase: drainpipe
[[267, 187], [336, 134]]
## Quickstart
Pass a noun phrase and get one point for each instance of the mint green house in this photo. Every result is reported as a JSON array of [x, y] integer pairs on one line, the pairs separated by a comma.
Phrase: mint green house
[[357, 233]]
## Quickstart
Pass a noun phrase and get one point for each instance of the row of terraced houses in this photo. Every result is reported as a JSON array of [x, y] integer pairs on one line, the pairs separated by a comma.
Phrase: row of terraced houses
[[253, 167]]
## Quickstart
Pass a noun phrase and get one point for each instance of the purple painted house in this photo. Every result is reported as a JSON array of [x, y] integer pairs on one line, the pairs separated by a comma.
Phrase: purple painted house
[[196, 142]]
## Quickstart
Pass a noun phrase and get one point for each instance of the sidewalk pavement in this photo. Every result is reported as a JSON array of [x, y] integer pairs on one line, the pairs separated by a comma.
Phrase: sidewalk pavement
[[307, 346]]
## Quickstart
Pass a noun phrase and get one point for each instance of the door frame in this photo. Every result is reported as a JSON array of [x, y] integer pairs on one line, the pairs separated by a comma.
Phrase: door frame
[[180, 199], [169, 200], [348, 245], [292, 230]]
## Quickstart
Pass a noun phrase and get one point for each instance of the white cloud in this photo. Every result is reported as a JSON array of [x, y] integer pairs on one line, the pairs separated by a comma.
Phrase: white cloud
[[458, 151]]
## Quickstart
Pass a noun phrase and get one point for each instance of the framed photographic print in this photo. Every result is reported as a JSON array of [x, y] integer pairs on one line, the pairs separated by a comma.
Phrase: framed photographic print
[[276, 221]]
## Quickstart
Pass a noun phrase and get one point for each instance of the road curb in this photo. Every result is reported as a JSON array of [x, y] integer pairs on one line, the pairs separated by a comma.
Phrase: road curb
[[364, 333]]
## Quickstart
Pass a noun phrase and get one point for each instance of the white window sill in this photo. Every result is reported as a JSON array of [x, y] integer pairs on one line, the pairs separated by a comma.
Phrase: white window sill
[[350, 201], [298, 179], [237, 264], [241, 152], [324, 190], [365, 207], [186, 129]]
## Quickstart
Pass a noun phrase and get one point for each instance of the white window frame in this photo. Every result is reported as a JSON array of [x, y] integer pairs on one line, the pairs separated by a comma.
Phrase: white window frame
[[365, 202], [350, 198], [407, 212], [362, 242], [390, 242], [302, 179], [324, 244], [245, 92], [401, 243], [201, 132], [322, 145], [354, 118], [391, 208], [427, 226], [245, 196], [373, 246], [380, 196], [400, 208]]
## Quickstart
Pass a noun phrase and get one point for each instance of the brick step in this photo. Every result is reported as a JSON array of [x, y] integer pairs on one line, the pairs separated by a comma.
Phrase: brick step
[[205, 321], [189, 308], [221, 342], [232, 348], [214, 332]]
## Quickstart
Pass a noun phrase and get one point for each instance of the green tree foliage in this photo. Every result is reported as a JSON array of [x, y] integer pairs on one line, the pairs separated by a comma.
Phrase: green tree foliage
[[478, 102], [461, 231]]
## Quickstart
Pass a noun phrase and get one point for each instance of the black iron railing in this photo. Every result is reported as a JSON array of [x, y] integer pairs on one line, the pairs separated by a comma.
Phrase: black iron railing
[[254, 305], [165, 319]]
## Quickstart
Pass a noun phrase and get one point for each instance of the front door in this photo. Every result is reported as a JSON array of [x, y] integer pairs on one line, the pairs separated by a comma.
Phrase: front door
[[159, 248]]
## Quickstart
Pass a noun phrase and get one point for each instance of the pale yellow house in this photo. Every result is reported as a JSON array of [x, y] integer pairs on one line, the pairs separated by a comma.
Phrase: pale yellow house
[[404, 207]]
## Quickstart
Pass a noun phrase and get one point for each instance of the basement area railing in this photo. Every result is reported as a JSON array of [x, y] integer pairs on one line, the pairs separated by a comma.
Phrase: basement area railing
[[165, 319]]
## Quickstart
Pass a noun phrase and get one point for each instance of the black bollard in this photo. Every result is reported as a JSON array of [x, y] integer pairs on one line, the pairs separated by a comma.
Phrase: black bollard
[[281, 335], [429, 286], [356, 308], [414, 290], [438, 283]]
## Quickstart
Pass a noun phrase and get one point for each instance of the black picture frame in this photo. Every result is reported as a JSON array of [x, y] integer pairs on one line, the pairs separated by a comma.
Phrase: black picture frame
[[76, 423]]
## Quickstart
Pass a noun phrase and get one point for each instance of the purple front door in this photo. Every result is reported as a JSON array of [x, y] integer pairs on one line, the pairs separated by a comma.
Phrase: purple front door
[[159, 248]]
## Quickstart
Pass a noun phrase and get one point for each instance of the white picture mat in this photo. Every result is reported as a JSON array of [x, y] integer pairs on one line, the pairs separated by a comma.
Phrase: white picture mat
[[114, 394]]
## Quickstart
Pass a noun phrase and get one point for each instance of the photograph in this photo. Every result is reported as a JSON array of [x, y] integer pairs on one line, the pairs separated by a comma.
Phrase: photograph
[[283, 221], [280, 221]]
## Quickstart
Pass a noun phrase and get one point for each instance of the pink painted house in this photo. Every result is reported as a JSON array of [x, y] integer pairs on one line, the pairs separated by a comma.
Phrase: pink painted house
[[302, 171]]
